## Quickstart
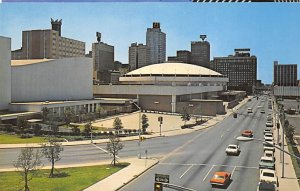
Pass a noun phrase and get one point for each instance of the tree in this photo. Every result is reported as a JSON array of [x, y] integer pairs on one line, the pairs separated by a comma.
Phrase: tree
[[27, 164], [69, 115], [52, 152], [37, 129], [76, 130], [45, 112], [88, 128], [185, 116], [145, 123], [117, 125], [22, 125], [99, 110], [114, 146], [290, 132]]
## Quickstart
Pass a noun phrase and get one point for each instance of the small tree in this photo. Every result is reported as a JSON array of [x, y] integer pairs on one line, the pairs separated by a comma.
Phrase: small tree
[[27, 164], [99, 110], [290, 132], [88, 128], [37, 129], [145, 123], [113, 147], [45, 112], [76, 130], [52, 152], [22, 125], [69, 115], [117, 125], [185, 116]]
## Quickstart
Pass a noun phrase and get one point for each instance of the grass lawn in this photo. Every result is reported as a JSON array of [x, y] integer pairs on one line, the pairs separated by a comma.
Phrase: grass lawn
[[78, 179], [15, 139]]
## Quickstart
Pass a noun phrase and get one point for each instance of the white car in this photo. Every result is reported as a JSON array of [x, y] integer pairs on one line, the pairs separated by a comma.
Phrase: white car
[[268, 131], [267, 175], [269, 154], [268, 135], [232, 149], [269, 148], [269, 124], [249, 110], [269, 141]]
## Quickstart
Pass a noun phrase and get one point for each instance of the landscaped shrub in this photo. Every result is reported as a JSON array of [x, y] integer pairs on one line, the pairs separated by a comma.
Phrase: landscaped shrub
[[25, 136]]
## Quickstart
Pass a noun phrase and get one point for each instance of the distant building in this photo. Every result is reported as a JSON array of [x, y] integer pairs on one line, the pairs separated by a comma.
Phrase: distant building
[[48, 44], [103, 61], [241, 69], [181, 56], [5, 73], [200, 52], [156, 41], [285, 74], [139, 56]]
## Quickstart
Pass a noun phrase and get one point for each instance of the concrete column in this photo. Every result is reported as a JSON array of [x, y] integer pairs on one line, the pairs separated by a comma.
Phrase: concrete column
[[173, 103], [89, 109], [138, 98]]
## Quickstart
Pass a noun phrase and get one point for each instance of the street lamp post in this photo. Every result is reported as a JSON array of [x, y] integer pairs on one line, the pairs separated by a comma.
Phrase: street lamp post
[[91, 128]]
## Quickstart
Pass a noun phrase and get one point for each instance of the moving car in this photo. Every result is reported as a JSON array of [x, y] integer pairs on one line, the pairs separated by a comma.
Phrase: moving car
[[269, 176], [220, 179], [267, 163], [265, 186], [232, 150], [247, 133], [249, 110]]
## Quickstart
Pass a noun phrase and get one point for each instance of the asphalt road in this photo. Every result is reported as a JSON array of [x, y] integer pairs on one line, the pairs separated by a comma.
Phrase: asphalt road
[[194, 163]]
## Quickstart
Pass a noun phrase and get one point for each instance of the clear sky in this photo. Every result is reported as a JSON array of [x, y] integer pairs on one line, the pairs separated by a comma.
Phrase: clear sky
[[270, 30]]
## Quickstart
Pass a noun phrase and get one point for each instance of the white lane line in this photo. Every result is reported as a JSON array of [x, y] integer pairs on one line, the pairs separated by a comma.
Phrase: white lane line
[[222, 165], [104, 150], [222, 135], [186, 171], [233, 171], [208, 172]]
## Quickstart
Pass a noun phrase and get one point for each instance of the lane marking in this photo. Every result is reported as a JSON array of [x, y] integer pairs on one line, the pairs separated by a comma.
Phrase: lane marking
[[233, 171], [104, 151], [186, 171], [222, 135], [216, 165], [208, 172]]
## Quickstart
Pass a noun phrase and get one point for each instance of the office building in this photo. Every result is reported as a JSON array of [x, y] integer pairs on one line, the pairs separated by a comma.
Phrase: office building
[[183, 56], [48, 44], [156, 41], [285, 74], [139, 56], [241, 69], [200, 52], [5, 74]]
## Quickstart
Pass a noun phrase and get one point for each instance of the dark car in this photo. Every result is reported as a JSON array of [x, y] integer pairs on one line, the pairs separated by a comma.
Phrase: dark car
[[266, 186]]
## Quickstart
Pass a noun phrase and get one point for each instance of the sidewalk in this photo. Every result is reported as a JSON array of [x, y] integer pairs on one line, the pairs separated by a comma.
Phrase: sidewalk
[[289, 181]]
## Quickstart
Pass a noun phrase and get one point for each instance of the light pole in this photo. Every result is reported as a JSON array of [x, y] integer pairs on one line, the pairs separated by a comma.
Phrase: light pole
[[91, 128], [139, 143]]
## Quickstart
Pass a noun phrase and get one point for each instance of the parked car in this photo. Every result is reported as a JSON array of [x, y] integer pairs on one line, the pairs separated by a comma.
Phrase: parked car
[[269, 124], [269, 148], [270, 154], [268, 131], [266, 186], [220, 179], [249, 110], [247, 133], [267, 163], [268, 135], [232, 150], [267, 175]]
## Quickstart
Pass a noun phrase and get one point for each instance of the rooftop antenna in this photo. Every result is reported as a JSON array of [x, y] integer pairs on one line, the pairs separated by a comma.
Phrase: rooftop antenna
[[98, 35], [203, 37]]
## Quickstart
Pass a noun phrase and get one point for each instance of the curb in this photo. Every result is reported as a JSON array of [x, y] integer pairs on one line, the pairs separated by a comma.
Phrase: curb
[[136, 176]]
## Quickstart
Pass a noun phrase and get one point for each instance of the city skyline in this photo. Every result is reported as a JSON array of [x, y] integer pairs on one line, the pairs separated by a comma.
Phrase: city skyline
[[270, 36]]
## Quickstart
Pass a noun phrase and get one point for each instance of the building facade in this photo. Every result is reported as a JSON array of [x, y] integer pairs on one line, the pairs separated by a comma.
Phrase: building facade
[[103, 60], [181, 56], [5, 72], [139, 56], [48, 44], [156, 41], [241, 69], [200, 53], [51, 80], [285, 74]]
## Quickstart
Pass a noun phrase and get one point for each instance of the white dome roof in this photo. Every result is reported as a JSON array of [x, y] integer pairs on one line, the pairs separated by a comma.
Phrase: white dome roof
[[176, 68]]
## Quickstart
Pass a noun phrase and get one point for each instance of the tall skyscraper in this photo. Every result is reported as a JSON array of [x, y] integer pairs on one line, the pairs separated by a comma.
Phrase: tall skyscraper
[[39, 44], [139, 56], [200, 52], [285, 74], [103, 60], [241, 69], [156, 41]]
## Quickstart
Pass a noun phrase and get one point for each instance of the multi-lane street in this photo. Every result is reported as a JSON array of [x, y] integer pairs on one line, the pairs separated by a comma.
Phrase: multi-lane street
[[192, 164], [189, 159]]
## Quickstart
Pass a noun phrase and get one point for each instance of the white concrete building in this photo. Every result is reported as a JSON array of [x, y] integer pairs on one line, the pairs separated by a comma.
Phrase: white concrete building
[[167, 86], [5, 72], [51, 80]]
